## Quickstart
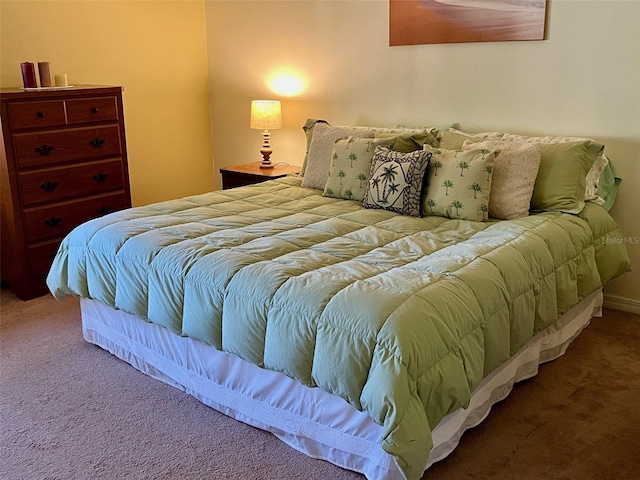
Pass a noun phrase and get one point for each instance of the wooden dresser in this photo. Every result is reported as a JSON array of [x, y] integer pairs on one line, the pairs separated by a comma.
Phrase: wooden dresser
[[64, 161]]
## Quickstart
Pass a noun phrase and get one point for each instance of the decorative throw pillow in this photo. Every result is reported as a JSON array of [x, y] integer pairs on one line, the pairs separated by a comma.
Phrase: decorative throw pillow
[[395, 181], [459, 183], [319, 159], [351, 166], [560, 185], [514, 175]]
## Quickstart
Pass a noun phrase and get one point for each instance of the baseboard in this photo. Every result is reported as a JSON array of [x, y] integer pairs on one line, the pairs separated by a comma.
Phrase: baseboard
[[622, 303]]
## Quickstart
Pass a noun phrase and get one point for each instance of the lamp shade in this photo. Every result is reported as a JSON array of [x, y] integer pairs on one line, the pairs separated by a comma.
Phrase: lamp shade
[[266, 114]]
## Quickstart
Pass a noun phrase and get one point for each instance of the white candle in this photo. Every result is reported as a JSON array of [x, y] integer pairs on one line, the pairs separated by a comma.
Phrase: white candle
[[61, 80]]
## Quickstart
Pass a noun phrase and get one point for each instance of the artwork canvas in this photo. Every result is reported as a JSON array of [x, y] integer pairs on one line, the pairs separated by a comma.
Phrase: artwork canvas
[[414, 22]]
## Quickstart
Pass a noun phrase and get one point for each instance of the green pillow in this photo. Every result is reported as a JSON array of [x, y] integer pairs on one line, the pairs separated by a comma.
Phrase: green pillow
[[396, 179], [560, 184], [408, 142], [459, 184], [453, 140], [351, 166]]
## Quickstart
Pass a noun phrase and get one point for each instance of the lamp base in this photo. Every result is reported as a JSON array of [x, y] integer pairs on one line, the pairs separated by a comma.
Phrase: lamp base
[[266, 152]]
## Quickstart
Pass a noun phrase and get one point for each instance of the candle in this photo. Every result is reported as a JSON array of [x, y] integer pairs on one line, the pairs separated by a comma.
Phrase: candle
[[61, 80], [28, 75], [46, 79]]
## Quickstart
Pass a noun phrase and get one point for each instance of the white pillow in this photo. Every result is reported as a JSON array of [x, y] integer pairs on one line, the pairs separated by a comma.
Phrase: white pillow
[[319, 160]]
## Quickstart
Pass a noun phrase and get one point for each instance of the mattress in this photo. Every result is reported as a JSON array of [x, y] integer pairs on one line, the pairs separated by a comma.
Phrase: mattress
[[400, 317]]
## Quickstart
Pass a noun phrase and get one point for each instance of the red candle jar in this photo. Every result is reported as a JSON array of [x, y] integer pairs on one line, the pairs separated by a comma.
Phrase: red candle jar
[[28, 75]]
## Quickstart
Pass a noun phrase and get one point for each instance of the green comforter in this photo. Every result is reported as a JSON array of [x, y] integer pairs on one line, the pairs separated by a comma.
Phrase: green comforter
[[400, 316]]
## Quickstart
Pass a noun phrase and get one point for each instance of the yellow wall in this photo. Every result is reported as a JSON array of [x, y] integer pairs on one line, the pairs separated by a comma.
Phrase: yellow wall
[[583, 80], [156, 50]]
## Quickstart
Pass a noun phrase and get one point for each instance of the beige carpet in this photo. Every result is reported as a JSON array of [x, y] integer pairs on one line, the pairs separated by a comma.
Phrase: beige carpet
[[69, 410]]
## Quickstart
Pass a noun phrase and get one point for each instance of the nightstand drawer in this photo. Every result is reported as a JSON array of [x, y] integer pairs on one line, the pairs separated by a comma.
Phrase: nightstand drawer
[[37, 114], [46, 148], [58, 219], [87, 110], [55, 184]]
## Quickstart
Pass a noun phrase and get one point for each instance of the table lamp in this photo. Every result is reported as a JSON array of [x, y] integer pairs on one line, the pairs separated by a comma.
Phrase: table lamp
[[266, 115]]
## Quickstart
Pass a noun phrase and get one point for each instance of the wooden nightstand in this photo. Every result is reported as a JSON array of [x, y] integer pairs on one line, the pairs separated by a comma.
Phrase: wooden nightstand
[[250, 173]]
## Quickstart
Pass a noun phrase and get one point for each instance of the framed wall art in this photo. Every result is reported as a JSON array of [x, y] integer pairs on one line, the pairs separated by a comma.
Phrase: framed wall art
[[414, 22]]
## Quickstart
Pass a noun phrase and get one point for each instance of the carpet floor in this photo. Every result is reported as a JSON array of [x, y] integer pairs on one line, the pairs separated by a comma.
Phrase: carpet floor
[[69, 410]]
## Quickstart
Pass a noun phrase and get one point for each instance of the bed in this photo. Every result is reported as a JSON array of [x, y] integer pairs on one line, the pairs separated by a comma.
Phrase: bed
[[365, 336]]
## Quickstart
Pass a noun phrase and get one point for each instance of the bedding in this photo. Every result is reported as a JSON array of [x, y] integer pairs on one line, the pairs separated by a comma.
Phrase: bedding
[[601, 182], [402, 317]]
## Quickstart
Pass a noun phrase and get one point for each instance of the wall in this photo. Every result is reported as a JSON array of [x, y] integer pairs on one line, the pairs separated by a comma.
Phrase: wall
[[582, 80], [156, 50]]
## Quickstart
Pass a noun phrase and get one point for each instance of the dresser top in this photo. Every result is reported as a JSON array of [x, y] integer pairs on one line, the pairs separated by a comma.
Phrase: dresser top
[[18, 92]]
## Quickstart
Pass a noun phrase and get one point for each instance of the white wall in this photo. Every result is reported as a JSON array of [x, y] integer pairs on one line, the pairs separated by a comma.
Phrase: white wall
[[584, 79]]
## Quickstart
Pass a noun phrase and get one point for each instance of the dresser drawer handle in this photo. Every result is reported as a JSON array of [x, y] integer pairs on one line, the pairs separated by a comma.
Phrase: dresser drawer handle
[[53, 221], [97, 142], [49, 186], [100, 177], [44, 149], [40, 114], [104, 210], [95, 110]]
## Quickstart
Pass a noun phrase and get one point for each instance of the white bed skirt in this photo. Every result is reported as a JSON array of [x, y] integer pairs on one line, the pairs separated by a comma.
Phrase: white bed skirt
[[310, 420]]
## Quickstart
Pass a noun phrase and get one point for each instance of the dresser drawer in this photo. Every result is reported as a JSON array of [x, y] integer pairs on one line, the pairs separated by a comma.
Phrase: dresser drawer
[[97, 109], [58, 219], [37, 114], [51, 147], [55, 184], [40, 256]]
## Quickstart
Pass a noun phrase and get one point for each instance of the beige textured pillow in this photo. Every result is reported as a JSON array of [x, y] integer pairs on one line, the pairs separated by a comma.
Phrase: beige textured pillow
[[320, 151], [514, 176]]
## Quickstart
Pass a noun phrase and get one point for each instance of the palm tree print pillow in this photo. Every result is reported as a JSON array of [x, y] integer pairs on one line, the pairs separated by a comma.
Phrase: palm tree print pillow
[[395, 181], [351, 165], [459, 183]]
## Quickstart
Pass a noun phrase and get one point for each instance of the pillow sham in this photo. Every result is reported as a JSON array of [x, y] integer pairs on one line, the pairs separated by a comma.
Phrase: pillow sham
[[459, 183], [395, 181], [560, 184], [319, 159], [514, 176], [608, 186], [452, 139], [408, 142], [308, 132]]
